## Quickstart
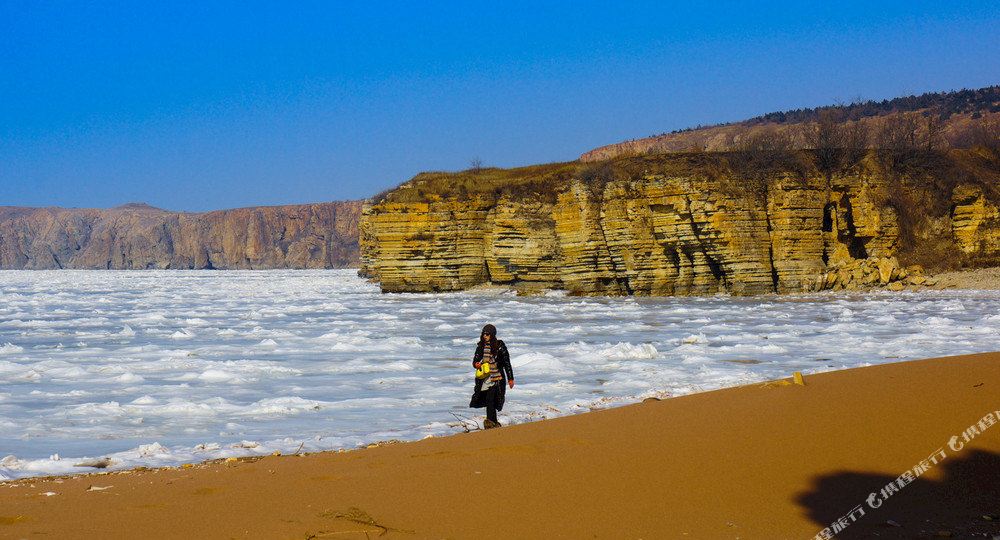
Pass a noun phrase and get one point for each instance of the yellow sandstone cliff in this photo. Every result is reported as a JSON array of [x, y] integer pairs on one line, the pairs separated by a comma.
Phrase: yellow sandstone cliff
[[659, 225], [975, 222]]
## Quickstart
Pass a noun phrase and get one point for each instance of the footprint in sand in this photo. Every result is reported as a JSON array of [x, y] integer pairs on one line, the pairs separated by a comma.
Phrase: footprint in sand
[[359, 517]]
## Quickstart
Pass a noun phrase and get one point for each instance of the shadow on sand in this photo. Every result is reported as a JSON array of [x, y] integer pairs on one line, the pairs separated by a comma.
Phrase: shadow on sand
[[964, 503]]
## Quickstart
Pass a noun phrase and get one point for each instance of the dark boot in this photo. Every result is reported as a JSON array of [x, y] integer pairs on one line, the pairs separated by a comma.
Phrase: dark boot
[[491, 417]]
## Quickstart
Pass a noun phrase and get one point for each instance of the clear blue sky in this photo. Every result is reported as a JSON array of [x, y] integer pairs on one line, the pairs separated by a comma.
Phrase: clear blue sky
[[205, 105]]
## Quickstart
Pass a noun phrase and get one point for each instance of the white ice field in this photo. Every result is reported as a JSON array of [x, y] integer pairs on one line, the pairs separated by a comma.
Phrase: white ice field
[[169, 367]]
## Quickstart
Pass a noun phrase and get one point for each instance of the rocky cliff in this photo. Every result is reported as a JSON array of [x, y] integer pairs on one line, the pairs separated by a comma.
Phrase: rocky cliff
[[680, 224], [138, 236]]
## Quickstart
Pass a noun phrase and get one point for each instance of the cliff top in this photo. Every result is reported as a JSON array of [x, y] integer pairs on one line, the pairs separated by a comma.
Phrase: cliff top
[[932, 167], [547, 179]]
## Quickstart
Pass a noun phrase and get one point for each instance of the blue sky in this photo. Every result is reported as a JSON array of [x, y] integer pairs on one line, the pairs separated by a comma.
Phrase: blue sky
[[204, 105]]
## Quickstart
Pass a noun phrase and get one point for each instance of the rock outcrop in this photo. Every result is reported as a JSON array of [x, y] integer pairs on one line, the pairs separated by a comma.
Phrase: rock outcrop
[[975, 222], [138, 236], [661, 227], [873, 272]]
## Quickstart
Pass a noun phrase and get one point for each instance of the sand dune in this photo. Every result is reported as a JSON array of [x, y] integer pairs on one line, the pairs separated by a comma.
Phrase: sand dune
[[759, 461]]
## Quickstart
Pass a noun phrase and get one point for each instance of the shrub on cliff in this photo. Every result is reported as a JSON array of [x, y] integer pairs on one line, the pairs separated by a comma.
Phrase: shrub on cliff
[[920, 185], [489, 182], [837, 144], [758, 157]]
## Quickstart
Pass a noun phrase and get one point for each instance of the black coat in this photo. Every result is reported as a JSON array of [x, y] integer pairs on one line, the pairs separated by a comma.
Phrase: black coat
[[499, 390]]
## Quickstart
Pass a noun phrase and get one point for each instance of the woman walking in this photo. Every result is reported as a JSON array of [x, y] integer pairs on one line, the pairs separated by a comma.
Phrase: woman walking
[[493, 371]]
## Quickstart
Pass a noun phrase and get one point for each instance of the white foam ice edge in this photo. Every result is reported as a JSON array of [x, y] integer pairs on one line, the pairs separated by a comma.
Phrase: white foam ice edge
[[155, 454], [248, 363]]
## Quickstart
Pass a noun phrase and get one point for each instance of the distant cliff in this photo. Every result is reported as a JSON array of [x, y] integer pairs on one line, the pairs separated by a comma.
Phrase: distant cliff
[[960, 119], [691, 223], [138, 236]]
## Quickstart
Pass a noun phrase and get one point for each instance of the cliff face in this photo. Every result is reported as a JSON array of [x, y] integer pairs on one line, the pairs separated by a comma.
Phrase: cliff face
[[975, 222], [655, 232], [140, 237]]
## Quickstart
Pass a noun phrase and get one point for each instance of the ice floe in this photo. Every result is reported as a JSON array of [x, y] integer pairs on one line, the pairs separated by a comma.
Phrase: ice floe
[[167, 367]]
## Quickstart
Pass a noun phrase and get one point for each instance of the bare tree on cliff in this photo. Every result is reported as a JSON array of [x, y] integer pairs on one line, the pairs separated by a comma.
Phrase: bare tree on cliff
[[856, 142], [758, 156], [985, 133], [827, 136], [898, 132], [934, 129], [897, 139]]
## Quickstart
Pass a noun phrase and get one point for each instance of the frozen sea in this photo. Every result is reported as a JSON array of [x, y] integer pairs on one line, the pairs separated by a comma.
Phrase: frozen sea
[[168, 367]]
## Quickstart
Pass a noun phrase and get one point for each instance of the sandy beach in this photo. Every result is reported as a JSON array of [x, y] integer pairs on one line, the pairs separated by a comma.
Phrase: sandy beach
[[772, 460], [973, 278]]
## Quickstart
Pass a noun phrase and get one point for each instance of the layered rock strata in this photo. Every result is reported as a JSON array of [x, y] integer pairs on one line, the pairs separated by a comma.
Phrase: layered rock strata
[[654, 234], [975, 222], [138, 236]]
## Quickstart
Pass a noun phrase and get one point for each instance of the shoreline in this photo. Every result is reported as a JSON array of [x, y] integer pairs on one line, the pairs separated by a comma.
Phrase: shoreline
[[182, 457], [764, 460], [618, 349], [984, 278], [968, 279]]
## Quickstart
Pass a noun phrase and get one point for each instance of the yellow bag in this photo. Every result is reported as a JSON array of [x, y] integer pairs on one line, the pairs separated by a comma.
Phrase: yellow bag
[[483, 370]]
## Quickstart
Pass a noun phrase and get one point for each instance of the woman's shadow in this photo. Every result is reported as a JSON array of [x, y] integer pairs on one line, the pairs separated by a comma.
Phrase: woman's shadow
[[964, 503]]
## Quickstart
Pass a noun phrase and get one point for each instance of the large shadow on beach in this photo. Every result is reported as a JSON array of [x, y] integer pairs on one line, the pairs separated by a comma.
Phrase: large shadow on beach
[[963, 503]]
